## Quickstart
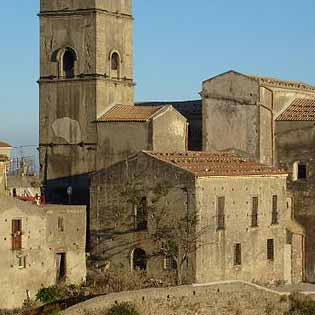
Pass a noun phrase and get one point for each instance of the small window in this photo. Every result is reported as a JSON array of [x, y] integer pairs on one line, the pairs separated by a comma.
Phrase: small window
[[274, 219], [270, 249], [21, 262], [220, 213], [61, 270], [254, 212], [301, 171], [16, 234], [169, 263], [237, 254], [141, 215], [61, 227]]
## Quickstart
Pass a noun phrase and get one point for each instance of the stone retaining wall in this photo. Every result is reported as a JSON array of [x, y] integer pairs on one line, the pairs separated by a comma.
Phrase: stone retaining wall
[[224, 298]]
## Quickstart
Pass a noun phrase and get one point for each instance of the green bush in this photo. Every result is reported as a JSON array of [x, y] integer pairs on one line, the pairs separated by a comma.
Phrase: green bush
[[123, 308], [48, 295], [301, 306]]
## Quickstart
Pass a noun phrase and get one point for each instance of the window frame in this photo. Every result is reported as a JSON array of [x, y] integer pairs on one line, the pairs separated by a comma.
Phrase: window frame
[[237, 254], [221, 202], [270, 249]]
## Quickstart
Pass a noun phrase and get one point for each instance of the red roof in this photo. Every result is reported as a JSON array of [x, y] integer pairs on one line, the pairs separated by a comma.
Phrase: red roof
[[301, 109], [204, 164], [4, 145], [130, 113]]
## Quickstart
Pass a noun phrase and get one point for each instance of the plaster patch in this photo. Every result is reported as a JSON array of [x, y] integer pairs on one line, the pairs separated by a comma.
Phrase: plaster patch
[[176, 128], [68, 129]]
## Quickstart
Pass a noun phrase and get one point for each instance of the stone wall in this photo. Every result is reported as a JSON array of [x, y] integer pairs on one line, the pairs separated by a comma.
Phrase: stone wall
[[225, 298], [46, 231]]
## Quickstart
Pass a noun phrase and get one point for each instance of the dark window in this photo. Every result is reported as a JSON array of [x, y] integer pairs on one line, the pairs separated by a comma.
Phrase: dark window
[[16, 234], [61, 267], [169, 263], [115, 61], [14, 192], [254, 211], [237, 254], [68, 60], [274, 219], [301, 171], [142, 215], [270, 249], [139, 259], [61, 227], [220, 213]]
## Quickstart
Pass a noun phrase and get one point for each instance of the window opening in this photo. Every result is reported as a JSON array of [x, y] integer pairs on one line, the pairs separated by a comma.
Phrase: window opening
[[274, 209], [237, 254], [142, 215], [139, 259], [254, 211], [60, 224], [60, 267], [270, 249], [16, 234], [68, 60], [220, 211]]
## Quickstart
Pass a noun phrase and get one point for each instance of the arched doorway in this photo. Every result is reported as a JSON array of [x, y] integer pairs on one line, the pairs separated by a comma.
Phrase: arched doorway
[[139, 259]]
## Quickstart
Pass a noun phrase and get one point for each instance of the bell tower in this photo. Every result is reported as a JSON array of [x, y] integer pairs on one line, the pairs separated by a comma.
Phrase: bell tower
[[86, 67]]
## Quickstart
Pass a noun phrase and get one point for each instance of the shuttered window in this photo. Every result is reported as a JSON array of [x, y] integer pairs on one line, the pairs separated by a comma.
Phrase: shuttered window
[[16, 234], [220, 213], [254, 222]]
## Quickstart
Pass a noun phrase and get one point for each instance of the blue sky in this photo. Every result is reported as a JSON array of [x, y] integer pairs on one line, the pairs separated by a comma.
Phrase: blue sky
[[178, 43]]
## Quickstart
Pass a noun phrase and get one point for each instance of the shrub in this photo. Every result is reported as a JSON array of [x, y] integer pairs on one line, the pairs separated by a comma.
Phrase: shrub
[[48, 295], [123, 308], [301, 306]]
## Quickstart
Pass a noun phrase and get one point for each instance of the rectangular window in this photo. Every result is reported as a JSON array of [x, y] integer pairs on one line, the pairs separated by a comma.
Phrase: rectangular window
[[21, 262], [270, 249], [16, 234], [169, 263], [274, 219], [254, 211], [60, 267], [220, 213], [301, 171], [61, 227], [237, 254]]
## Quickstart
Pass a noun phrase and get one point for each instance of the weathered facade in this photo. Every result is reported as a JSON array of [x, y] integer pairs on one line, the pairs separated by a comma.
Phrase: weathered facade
[[245, 227], [124, 131], [23, 186], [3, 174], [272, 119], [87, 71], [5, 149], [40, 246]]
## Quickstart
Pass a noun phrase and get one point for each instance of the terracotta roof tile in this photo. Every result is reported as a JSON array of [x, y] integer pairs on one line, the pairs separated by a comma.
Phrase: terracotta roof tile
[[301, 109], [4, 145], [129, 113], [204, 164], [282, 83]]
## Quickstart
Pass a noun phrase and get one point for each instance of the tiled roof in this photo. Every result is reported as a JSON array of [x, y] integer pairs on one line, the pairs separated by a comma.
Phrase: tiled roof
[[129, 113], [4, 145], [204, 164], [282, 83], [301, 109]]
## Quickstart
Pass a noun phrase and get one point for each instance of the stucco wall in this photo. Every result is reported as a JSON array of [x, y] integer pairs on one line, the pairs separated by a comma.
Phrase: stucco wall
[[217, 251], [229, 109], [118, 140], [219, 298], [170, 132], [41, 241]]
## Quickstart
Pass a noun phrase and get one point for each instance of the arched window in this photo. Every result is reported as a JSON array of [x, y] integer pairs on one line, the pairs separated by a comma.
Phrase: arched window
[[138, 259], [115, 65], [141, 215], [68, 61]]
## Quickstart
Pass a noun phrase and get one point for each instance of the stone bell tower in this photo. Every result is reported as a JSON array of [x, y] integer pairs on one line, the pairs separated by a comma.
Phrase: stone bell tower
[[86, 67]]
